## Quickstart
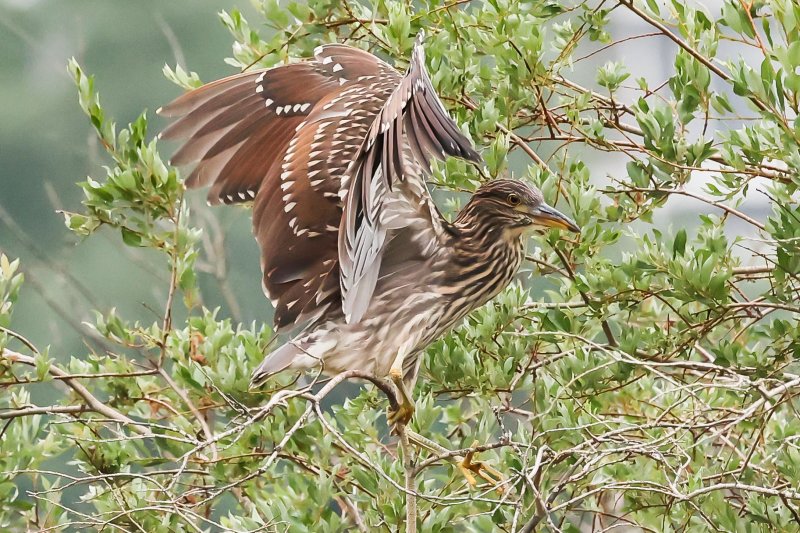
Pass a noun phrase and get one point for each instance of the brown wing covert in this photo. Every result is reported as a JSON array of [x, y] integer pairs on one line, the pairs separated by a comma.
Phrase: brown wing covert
[[284, 138]]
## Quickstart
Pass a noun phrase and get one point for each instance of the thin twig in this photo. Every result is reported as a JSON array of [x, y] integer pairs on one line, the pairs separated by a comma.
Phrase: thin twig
[[91, 401], [410, 482]]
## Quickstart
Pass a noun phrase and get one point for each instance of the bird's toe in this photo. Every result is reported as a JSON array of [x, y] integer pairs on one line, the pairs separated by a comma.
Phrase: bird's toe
[[400, 417]]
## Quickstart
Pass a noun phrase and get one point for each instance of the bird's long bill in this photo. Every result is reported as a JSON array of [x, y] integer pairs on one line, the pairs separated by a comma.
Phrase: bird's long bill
[[544, 215]]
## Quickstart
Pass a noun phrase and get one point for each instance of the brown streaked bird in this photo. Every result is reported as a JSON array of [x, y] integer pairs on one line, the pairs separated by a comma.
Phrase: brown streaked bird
[[356, 258]]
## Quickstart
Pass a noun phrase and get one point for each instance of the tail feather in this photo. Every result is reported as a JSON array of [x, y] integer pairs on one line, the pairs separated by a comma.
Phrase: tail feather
[[277, 361]]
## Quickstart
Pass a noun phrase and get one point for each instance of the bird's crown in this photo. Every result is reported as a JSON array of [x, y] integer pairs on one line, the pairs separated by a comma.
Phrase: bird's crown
[[515, 191]]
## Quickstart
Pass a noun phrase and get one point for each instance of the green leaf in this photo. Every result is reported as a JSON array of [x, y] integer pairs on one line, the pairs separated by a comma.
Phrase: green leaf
[[130, 237], [679, 244]]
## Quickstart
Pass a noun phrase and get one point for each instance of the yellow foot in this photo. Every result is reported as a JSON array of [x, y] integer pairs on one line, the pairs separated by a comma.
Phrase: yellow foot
[[400, 417], [470, 468]]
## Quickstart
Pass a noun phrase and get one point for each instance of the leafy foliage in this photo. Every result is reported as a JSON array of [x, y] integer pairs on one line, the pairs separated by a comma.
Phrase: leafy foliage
[[644, 374]]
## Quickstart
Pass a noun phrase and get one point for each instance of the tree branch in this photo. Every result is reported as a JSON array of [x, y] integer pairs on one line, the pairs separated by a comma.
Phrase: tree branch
[[91, 401]]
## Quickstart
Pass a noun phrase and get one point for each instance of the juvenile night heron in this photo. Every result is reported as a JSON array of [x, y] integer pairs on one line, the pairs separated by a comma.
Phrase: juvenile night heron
[[356, 258]]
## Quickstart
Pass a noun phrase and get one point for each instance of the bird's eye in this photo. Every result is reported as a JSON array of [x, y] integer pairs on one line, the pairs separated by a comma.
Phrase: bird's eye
[[513, 199]]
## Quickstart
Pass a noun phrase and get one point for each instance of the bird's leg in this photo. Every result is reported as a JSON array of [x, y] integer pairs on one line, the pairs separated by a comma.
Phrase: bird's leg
[[402, 415], [468, 467]]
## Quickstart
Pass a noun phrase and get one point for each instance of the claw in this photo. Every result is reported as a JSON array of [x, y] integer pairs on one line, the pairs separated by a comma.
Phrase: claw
[[469, 468], [400, 417]]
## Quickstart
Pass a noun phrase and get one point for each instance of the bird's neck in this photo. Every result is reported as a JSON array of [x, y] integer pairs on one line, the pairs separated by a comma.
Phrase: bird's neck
[[484, 257]]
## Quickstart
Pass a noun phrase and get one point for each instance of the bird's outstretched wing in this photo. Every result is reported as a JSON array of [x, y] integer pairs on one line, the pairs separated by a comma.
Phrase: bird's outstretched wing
[[387, 192], [284, 138]]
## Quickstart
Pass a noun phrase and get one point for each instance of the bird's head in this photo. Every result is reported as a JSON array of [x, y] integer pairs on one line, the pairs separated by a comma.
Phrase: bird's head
[[515, 207]]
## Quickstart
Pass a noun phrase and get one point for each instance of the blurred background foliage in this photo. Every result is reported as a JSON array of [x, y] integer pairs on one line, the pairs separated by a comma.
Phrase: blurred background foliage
[[47, 146]]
